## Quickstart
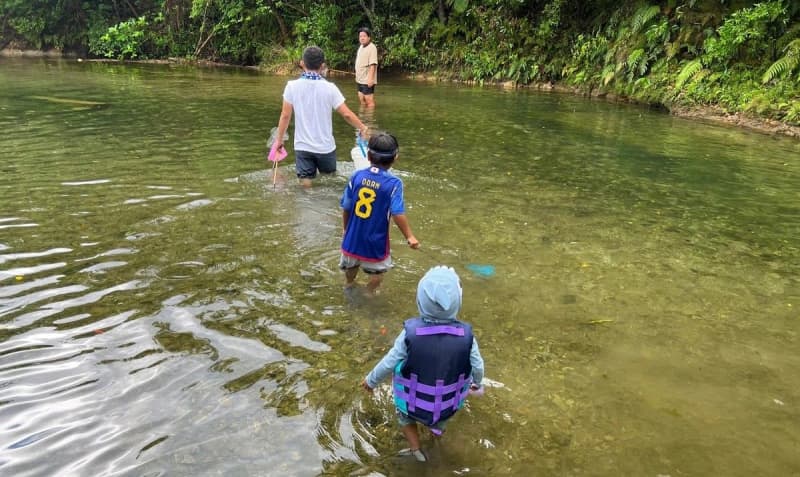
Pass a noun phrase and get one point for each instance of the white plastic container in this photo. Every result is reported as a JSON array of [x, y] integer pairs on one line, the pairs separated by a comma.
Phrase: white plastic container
[[359, 161]]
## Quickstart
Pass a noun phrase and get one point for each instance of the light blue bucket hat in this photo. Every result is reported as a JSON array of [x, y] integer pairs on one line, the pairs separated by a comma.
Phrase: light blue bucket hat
[[439, 294]]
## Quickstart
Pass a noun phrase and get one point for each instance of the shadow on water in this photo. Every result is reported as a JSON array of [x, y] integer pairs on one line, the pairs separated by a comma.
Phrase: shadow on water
[[166, 310]]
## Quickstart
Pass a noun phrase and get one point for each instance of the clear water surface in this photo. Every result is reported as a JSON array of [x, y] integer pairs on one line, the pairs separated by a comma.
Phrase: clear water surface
[[166, 310]]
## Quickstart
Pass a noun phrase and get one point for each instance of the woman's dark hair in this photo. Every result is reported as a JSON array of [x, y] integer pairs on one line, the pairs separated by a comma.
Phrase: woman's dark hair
[[383, 148], [365, 30]]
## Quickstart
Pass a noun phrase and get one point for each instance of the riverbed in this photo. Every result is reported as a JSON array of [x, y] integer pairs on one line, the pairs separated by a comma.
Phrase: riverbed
[[166, 309]]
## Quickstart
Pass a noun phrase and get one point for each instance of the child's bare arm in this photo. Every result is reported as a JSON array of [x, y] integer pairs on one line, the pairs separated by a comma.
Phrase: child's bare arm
[[402, 223], [345, 219]]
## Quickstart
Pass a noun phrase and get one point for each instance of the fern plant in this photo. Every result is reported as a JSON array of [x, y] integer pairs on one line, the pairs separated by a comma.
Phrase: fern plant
[[642, 16], [689, 72], [785, 64], [793, 114], [636, 63], [608, 74]]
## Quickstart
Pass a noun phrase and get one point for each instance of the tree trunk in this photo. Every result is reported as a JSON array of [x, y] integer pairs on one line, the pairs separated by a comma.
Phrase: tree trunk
[[440, 11], [201, 46], [173, 14], [282, 27], [133, 10], [200, 42], [369, 10], [116, 11]]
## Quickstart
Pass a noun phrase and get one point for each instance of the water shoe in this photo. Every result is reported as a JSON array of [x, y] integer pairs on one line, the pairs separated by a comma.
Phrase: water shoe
[[417, 454]]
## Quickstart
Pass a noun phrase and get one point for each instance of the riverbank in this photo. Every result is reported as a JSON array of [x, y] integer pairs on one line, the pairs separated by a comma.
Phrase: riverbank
[[58, 54], [708, 114], [19, 53], [717, 115]]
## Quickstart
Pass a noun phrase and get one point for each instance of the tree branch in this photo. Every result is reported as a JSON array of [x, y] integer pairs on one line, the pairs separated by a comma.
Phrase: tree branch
[[369, 11], [136, 15], [281, 26]]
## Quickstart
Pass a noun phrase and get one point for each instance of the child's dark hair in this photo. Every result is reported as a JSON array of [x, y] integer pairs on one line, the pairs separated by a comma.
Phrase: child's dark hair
[[382, 149]]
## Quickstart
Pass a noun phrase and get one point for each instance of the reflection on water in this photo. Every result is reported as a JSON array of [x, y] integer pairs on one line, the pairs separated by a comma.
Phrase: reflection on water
[[166, 310]]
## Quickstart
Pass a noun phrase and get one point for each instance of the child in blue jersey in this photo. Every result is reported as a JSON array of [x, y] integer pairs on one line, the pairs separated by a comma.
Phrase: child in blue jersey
[[372, 197], [435, 360]]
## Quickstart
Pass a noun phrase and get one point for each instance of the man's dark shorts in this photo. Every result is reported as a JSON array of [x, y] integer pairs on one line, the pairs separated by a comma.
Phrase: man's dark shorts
[[306, 163], [364, 89]]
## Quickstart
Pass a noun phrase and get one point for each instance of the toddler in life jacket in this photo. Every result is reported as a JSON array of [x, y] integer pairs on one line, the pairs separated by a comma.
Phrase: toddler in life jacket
[[435, 361]]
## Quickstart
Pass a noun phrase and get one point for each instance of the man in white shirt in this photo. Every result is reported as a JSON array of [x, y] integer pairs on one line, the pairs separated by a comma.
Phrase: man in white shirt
[[312, 99], [366, 68]]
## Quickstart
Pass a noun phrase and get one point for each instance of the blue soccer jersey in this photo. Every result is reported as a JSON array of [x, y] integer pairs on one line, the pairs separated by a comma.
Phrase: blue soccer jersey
[[372, 196]]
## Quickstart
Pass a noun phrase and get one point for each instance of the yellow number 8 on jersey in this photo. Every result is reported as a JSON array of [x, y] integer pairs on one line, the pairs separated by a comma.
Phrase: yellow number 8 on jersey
[[366, 197]]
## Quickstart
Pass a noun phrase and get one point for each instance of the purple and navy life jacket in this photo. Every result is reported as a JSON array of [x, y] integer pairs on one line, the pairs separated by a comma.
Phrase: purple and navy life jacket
[[433, 382]]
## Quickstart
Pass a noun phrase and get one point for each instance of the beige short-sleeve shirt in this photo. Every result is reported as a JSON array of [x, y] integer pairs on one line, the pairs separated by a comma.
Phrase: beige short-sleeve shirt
[[366, 56]]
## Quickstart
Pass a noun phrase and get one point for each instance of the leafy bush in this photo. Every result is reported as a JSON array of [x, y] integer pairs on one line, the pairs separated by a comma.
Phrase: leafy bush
[[29, 28], [588, 55], [125, 40], [321, 28], [401, 47], [744, 35]]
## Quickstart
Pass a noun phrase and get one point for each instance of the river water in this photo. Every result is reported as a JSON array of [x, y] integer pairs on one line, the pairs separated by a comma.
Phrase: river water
[[166, 310]]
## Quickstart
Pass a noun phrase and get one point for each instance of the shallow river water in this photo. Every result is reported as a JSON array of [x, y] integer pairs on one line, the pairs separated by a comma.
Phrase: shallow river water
[[166, 310]]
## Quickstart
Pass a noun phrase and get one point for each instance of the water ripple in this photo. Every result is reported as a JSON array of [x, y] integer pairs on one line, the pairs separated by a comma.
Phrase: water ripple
[[8, 306], [50, 309], [102, 267], [17, 226], [11, 290], [34, 438], [18, 256], [297, 338], [110, 253], [195, 204], [93, 296], [88, 182], [249, 353], [25, 271]]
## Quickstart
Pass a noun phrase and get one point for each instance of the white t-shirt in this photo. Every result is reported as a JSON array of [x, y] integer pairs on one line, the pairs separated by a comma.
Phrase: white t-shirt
[[313, 102]]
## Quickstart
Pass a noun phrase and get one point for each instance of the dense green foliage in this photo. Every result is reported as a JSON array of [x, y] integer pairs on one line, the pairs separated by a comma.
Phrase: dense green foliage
[[741, 55]]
